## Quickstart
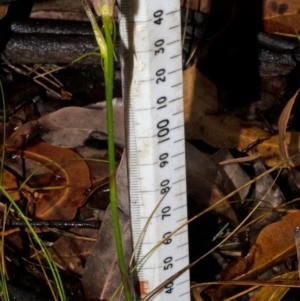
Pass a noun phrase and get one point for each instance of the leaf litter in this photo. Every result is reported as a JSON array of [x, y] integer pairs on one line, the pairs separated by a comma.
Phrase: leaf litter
[[47, 141]]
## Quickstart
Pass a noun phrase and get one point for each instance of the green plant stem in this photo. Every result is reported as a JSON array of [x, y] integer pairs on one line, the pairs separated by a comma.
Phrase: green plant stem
[[109, 77]]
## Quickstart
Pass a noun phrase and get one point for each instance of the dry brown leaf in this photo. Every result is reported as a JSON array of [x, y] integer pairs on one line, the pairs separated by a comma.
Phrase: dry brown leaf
[[122, 185], [70, 127], [274, 243], [233, 176], [71, 253], [68, 171], [101, 275], [281, 16], [282, 124], [275, 293], [3, 10], [270, 193], [98, 169], [57, 9], [240, 160], [11, 185], [202, 176], [270, 152], [223, 130]]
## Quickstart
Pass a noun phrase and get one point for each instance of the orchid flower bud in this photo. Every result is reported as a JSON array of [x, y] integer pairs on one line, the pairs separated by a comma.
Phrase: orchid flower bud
[[104, 7], [97, 31]]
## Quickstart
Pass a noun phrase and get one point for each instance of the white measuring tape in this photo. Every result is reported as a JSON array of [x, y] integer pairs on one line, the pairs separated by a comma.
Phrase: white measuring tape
[[153, 96]]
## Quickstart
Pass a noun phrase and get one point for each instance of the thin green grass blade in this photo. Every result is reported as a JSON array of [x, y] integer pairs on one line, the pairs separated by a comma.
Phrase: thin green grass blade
[[4, 288]]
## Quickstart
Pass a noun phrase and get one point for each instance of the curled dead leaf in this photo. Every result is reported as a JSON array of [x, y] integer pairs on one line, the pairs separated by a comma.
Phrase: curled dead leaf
[[282, 125], [67, 170], [274, 243]]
